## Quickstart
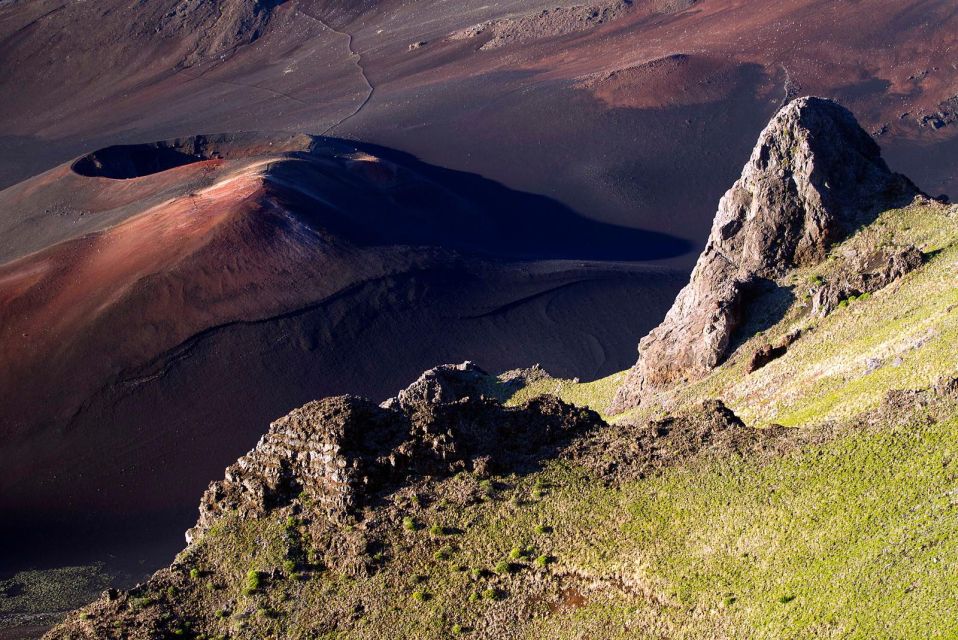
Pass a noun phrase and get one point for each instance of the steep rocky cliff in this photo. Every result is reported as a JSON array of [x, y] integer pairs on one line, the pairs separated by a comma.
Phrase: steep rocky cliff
[[812, 178]]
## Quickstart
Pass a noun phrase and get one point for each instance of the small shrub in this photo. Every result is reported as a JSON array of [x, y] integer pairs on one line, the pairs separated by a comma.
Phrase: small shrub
[[253, 580], [437, 530], [221, 613], [421, 595], [409, 524], [487, 487], [517, 553], [541, 561], [491, 594], [289, 566], [444, 553], [474, 596], [457, 629], [503, 567], [543, 529], [786, 599], [195, 573], [85, 616]]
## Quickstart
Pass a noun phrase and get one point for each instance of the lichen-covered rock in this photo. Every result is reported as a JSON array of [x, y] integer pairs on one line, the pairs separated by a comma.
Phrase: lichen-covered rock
[[813, 177]]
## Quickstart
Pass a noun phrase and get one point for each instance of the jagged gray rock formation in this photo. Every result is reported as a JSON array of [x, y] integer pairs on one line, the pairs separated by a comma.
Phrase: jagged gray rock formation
[[326, 451], [218, 27], [553, 22], [813, 177], [336, 454], [443, 384]]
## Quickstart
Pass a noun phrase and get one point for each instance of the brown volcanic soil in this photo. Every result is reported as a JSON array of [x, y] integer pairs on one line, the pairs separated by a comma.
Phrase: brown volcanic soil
[[159, 304]]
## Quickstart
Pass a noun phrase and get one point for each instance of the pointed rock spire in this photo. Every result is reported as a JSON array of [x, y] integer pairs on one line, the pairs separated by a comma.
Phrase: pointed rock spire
[[814, 176]]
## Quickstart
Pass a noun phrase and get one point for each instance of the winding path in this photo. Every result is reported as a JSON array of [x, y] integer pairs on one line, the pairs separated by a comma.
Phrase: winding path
[[357, 60]]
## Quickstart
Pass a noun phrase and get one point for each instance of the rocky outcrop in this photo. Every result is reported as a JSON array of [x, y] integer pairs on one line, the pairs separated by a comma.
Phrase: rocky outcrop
[[813, 177], [945, 115], [864, 273], [549, 23], [769, 352], [631, 452], [328, 451], [443, 384], [336, 455]]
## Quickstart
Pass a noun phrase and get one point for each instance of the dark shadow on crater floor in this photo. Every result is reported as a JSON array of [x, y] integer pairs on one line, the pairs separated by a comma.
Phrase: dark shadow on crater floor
[[495, 220]]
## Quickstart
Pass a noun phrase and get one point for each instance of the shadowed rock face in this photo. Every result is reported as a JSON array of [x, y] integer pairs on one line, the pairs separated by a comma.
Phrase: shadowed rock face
[[813, 177], [339, 453], [327, 450]]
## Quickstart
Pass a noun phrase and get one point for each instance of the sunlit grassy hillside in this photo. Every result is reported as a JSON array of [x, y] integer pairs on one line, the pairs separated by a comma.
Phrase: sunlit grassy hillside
[[850, 530]]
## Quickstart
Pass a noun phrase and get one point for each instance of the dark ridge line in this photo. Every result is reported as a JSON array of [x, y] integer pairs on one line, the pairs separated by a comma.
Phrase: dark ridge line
[[357, 60], [514, 304], [159, 366]]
